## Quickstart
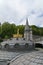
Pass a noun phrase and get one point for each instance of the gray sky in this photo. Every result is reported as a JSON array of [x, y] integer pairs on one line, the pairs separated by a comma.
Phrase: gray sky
[[16, 11]]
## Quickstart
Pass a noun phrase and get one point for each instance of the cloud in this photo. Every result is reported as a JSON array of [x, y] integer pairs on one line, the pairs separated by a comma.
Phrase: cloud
[[41, 15], [16, 11]]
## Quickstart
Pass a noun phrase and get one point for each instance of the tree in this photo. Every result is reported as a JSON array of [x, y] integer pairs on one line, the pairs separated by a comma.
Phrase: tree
[[35, 30], [6, 36], [6, 29], [13, 29]]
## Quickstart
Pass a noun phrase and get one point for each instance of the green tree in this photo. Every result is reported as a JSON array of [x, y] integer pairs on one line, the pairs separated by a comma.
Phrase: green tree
[[13, 29], [35, 30], [6, 29]]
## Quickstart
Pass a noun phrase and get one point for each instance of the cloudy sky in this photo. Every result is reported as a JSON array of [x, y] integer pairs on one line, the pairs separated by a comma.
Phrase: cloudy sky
[[16, 11]]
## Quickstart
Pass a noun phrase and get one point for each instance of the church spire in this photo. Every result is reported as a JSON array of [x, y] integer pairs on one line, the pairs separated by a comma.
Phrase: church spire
[[26, 30], [26, 26], [26, 21]]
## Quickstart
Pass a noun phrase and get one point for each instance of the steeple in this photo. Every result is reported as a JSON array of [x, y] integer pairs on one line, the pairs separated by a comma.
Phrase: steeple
[[27, 25], [26, 21], [26, 31]]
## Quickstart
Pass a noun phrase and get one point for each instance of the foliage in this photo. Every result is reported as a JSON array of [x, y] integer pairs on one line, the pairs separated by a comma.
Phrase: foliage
[[7, 30], [6, 37], [35, 30]]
